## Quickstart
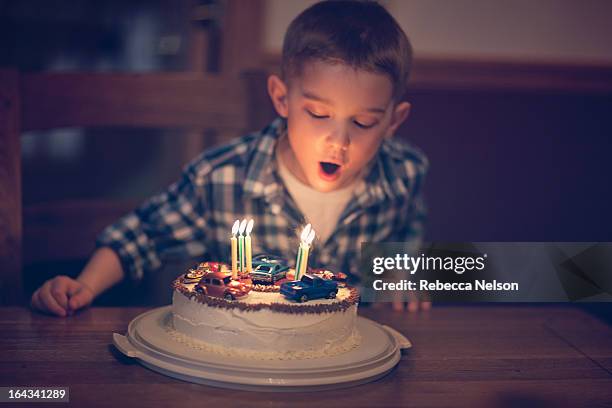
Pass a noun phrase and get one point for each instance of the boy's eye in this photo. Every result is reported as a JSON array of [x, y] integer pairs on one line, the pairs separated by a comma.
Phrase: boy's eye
[[365, 125], [316, 115]]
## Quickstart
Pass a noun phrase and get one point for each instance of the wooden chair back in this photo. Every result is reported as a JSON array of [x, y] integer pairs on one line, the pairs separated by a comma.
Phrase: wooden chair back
[[40, 101]]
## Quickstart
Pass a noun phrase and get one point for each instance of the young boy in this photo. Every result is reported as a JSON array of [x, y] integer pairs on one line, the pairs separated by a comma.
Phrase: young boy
[[328, 160]]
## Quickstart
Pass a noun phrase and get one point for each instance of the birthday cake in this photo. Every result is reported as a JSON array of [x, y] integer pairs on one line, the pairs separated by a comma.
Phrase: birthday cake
[[261, 308]]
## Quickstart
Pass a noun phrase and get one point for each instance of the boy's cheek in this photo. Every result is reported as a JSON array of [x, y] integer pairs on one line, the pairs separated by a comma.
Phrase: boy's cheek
[[304, 137], [364, 147]]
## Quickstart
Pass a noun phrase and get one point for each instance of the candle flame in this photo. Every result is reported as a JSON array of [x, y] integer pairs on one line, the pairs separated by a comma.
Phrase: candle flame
[[242, 226], [305, 233], [310, 237], [235, 227], [249, 227]]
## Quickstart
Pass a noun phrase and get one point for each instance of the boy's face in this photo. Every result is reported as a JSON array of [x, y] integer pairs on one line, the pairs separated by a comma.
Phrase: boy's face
[[337, 118]]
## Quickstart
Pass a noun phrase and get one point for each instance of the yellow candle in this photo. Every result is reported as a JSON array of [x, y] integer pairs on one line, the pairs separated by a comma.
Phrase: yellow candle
[[249, 261], [234, 243], [234, 258]]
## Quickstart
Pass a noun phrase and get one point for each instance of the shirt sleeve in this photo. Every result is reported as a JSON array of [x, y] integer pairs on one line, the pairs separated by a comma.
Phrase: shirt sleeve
[[167, 225], [413, 227], [413, 216]]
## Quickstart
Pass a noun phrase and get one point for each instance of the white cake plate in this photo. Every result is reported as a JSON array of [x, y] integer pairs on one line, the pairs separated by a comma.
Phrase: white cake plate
[[148, 341]]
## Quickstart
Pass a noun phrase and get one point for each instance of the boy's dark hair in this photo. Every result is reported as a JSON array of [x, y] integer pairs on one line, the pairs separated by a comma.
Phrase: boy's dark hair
[[360, 34]]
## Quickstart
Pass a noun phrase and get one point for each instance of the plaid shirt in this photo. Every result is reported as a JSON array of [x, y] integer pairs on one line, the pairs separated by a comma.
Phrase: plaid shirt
[[194, 216]]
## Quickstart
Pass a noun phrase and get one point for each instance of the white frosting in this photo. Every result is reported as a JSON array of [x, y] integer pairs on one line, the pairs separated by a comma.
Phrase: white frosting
[[265, 332], [353, 341]]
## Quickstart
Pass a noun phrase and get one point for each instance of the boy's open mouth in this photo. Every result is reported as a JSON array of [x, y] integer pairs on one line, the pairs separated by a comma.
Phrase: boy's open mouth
[[329, 171]]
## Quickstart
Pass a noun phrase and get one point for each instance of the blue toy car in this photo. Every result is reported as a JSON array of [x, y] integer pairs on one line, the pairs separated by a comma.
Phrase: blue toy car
[[309, 287], [268, 269]]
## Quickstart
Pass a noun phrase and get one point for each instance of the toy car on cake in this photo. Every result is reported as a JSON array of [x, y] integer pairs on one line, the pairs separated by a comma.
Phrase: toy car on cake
[[309, 287], [268, 269], [210, 267], [193, 276], [339, 277], [220, 284], [267, 258]]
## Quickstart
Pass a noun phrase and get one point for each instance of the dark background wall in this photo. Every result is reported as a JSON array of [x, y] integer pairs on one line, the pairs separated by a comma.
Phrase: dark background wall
[[515, 165]]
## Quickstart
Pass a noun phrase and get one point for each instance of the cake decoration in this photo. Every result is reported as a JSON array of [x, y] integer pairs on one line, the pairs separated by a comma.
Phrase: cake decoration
[[221, 284], [193, 276], [268, 269], [301, 264], [309, 287], [234, 249]]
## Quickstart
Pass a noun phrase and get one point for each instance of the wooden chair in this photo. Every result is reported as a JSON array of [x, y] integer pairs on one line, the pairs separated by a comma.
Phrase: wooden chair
[[42, 101]]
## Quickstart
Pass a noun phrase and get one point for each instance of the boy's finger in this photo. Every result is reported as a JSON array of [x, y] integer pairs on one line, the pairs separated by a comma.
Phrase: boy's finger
[[426, 305], [80, 299], [50, 304], [398, 306], [59, 289], [73, 287], [413, 305]]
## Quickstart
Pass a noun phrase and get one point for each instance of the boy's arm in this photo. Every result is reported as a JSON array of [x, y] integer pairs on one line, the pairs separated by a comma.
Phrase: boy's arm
[[172, 221], [103, 271]]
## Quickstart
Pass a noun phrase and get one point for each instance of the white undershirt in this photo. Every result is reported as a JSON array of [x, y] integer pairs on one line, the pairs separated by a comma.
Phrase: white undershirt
[[322, 210]]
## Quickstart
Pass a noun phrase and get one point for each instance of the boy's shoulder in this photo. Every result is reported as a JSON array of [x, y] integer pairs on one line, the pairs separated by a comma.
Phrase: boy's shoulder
[[229, 163], [407, 161], [398, 173]]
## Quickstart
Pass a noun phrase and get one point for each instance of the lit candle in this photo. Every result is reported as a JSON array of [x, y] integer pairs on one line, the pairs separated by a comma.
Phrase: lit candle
[[309, 239], [234, 243], [247, 243], [301, 263], [241, 252]]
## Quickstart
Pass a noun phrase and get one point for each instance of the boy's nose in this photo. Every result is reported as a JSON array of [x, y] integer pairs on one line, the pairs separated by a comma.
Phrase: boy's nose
[[339, 139]]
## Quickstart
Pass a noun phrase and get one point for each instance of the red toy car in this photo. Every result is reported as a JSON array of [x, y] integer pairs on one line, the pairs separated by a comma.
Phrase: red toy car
[[220, 284]]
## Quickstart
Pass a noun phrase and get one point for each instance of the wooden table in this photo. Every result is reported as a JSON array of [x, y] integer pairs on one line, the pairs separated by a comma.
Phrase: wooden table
[[462, 356]]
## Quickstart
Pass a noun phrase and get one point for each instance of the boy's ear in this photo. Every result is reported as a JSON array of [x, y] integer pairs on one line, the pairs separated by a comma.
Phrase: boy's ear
[[399, 115], [278, 93]]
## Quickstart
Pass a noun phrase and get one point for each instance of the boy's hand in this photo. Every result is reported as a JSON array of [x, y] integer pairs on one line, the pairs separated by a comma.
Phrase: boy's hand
[[61, 296]]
